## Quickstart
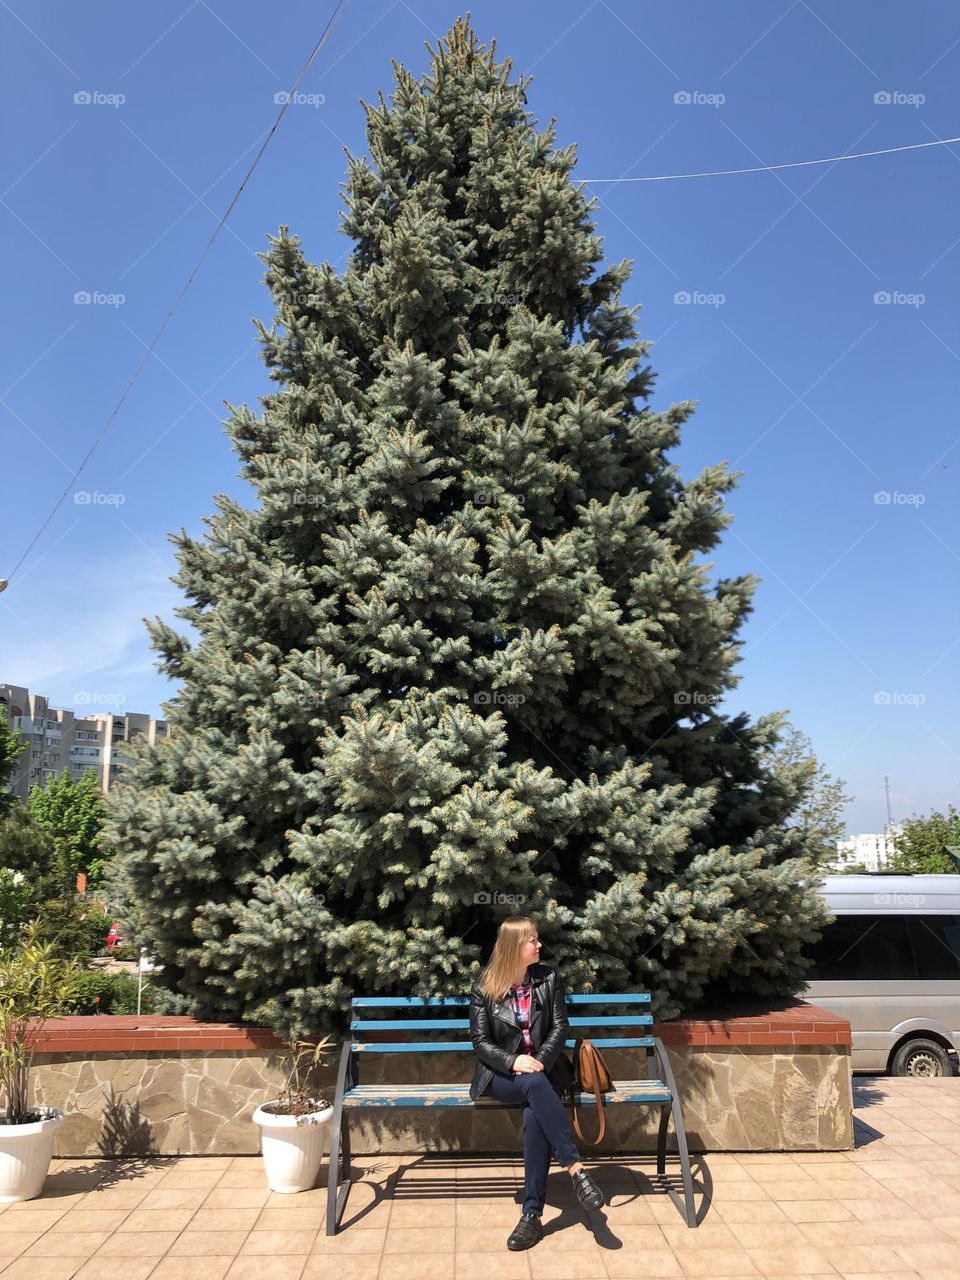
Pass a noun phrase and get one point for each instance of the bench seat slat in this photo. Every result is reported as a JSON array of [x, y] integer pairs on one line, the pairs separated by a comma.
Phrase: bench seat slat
[[458, 1095], [462, 1046]]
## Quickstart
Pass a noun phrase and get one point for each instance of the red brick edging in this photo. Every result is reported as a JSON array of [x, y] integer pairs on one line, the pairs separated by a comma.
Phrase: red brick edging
[[787, 1024]]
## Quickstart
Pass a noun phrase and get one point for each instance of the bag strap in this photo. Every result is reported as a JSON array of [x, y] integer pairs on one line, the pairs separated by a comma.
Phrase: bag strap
[[581, 1045]]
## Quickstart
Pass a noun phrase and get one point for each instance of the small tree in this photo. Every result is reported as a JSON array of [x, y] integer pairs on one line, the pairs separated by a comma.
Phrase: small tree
[[822, 797], [12, 746], [73, 811], [921, 844], [35, 985]]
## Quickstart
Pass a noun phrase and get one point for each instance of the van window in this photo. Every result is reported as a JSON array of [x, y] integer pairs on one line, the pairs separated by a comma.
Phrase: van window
[[936, 944], [864, 949]]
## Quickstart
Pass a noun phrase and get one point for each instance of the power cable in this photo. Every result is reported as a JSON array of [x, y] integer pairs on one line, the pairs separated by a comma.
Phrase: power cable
[[767, 168], [324, 35]]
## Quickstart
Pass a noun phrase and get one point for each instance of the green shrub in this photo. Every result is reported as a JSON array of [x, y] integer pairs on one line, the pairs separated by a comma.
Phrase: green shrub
[[100, 992]]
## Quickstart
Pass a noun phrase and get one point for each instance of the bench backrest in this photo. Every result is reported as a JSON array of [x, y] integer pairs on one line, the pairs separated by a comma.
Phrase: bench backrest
[[596, 1014]]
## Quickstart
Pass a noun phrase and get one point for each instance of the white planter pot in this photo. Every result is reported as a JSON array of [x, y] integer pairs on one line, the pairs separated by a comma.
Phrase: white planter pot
[[25, 1154], [292, 1151]]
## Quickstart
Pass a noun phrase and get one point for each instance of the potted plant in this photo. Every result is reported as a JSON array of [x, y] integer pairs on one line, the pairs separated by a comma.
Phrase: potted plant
[[293, 1124], [36, 984]]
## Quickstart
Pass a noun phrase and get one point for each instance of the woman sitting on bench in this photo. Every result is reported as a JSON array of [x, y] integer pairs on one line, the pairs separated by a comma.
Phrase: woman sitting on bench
[[518, 1025]]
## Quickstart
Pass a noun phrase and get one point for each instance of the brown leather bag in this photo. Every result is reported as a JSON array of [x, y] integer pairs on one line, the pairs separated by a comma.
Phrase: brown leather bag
[[591, 1076]]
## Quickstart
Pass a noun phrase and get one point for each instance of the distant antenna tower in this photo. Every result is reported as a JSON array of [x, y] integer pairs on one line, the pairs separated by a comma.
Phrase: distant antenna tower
[[886, 790]]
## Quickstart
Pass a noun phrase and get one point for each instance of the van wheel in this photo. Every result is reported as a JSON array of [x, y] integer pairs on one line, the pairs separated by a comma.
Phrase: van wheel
[[924, 1058]]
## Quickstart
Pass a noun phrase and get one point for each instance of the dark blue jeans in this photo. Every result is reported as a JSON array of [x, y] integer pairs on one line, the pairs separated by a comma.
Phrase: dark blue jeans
[[545, 1126]]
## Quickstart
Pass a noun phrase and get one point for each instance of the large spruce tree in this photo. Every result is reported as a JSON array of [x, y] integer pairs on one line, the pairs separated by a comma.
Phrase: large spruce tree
[[461, 657]]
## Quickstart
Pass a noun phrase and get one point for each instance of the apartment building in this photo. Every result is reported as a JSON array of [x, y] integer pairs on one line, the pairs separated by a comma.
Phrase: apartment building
[[869, 850], [59, 739]]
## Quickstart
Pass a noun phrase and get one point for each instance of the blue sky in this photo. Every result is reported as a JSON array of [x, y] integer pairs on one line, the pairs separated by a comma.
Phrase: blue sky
[[822, 394]]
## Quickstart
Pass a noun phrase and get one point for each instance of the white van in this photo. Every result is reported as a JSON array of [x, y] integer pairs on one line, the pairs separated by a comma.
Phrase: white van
[[890, 963]]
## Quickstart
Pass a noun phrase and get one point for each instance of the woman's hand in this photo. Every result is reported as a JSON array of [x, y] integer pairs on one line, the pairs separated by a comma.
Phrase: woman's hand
[[524, 1064]]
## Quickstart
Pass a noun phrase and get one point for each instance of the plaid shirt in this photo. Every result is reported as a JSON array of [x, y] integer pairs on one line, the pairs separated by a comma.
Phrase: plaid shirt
[[521, 997]]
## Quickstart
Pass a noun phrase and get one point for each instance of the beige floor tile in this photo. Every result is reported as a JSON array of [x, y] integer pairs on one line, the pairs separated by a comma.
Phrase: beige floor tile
[[133, 1269], [401, 1266], [38, 1220], [709, 1235], [308, 1219], [43, 1268], [225, 1219], [754, 1210], [428, 1213], [207, 1244], [893, 1275], [184, 1198], [156, 1220], [868, 1210], [795, 1189], [234, 1197], [81, 1219], [284, 1267], [137, 1244], [422, 1240], [476, 1266], [206, 1268], [864, 1257], [629, 1209], [244, 1176], [296, 1240], [621, 1264], [745, 1189], [62, 1200], [114, 1198], [358, 1266], [829, 1235], [13, 1243], [67, 1244], [791, 1260], [188, 1179], [572, 1267], [477, 1239], [928, 1257], [759, 1235]]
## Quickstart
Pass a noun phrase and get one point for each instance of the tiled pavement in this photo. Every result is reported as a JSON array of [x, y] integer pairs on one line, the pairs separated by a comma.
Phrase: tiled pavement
[[889, 1208]]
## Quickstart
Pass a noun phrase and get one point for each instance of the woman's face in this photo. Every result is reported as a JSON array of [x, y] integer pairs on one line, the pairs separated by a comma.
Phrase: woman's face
[[530, 950]]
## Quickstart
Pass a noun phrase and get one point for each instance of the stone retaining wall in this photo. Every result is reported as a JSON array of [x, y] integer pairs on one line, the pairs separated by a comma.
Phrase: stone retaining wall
[[754, 1078]]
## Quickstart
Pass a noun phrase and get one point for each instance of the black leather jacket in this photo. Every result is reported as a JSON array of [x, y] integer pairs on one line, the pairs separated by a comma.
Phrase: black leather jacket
[[498, 1040]]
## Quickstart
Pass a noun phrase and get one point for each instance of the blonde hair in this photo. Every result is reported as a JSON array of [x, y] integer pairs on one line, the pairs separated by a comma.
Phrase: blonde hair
[[497, 978]]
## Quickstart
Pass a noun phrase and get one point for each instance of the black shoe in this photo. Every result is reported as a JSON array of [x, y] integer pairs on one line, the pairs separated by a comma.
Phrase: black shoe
[[588, 1193], [526, 1233]]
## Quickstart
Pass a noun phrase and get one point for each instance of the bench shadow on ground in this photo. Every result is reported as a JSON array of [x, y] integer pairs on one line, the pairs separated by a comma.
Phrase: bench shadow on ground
[[437, 1178]]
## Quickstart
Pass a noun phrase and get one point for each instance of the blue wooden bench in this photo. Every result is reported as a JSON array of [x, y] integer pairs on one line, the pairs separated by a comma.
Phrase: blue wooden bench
[[657, 1089]]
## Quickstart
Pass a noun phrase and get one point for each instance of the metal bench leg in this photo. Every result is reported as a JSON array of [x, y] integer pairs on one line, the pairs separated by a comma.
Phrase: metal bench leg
[[339, 1162], [687, 1206]]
